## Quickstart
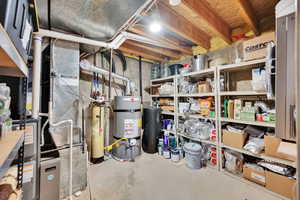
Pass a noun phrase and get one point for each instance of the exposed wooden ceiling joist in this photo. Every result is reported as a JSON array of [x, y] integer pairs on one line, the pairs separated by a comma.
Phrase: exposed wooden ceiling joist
[[247, 13], [168, 42], [183, 27], [159, 50], [133, 49], [199, 11]]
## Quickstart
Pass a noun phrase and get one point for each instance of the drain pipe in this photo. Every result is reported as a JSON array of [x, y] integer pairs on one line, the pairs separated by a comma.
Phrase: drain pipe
[[36, 79], [109, 75], [140, 78]]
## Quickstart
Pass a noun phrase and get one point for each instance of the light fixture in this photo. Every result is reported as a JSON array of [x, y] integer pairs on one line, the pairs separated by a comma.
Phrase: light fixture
[[174, 2], [155, 27]]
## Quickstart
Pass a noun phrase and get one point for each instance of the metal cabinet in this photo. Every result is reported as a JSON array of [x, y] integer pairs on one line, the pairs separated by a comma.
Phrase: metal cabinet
[[285, 77]]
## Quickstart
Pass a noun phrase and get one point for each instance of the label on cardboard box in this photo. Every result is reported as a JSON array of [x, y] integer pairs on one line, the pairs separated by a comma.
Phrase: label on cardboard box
[[256, 48], [258, 177]]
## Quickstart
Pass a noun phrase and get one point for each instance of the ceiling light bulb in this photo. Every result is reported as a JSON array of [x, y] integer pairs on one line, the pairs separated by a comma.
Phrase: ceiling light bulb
[[174, 2], [155, 27]]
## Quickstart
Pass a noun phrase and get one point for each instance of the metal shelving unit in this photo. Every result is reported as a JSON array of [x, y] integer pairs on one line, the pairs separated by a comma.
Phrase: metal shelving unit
[[11, 62], [240, 67], [219, 119], [254, 123], [10, 146]]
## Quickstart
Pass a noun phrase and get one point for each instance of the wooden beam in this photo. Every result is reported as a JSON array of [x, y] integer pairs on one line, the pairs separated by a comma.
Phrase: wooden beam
[[159, 50], [129, 48], [168, 42], [179, 25], [199, 11], [246, 11]]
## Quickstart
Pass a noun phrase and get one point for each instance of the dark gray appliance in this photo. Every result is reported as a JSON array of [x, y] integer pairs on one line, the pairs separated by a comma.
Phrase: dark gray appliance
[[285, 70], [152, 126]]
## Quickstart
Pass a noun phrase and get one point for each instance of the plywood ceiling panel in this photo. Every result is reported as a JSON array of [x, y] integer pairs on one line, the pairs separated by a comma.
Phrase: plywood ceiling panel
[[263, 8], [227, 11]]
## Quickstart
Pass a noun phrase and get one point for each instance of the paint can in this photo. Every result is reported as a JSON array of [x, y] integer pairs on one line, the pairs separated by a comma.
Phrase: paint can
[[166, 140], [193, 155], [160, 150], [175, 157], [172, 142], [167, 154], [181, 152], [161, 142]]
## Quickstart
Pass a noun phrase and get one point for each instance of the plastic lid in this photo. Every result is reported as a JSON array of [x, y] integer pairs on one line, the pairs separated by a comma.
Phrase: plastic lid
[[194, 147]]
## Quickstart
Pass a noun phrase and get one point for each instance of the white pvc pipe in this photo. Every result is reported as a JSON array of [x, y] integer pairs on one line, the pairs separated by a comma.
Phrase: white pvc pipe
[[36, 80], [71, 145], [115, 44], [85, 65], [71, 38]]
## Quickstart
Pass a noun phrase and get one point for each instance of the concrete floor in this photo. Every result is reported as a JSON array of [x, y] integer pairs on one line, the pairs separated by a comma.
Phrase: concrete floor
[[153, 178]]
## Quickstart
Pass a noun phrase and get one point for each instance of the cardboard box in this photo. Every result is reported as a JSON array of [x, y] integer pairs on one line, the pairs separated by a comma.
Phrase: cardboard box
[[256, 48], [243, 85], [204, 87], [255, 176], [234, 139], [280, 184], [271, 148]]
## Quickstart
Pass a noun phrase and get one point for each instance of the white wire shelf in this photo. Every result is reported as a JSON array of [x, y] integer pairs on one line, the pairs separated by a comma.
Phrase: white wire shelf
[[262, 156], [197, 139], [202, 72], [196, 116], [241, 65], [167, 113], [162, 95], [169, 131], [242, 93], [254, 123], [197, 95], [169, 78]]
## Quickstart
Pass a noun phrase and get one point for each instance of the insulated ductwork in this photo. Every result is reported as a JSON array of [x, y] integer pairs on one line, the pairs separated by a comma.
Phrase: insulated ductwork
[[94, 19]]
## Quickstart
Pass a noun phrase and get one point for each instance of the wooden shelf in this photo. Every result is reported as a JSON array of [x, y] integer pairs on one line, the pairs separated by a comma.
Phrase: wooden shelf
[[241, 65], [242, 93], [263, 124], [11, 62], [197, 139], [197, 95], [252, 184], [262, 156], [9, 150]]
